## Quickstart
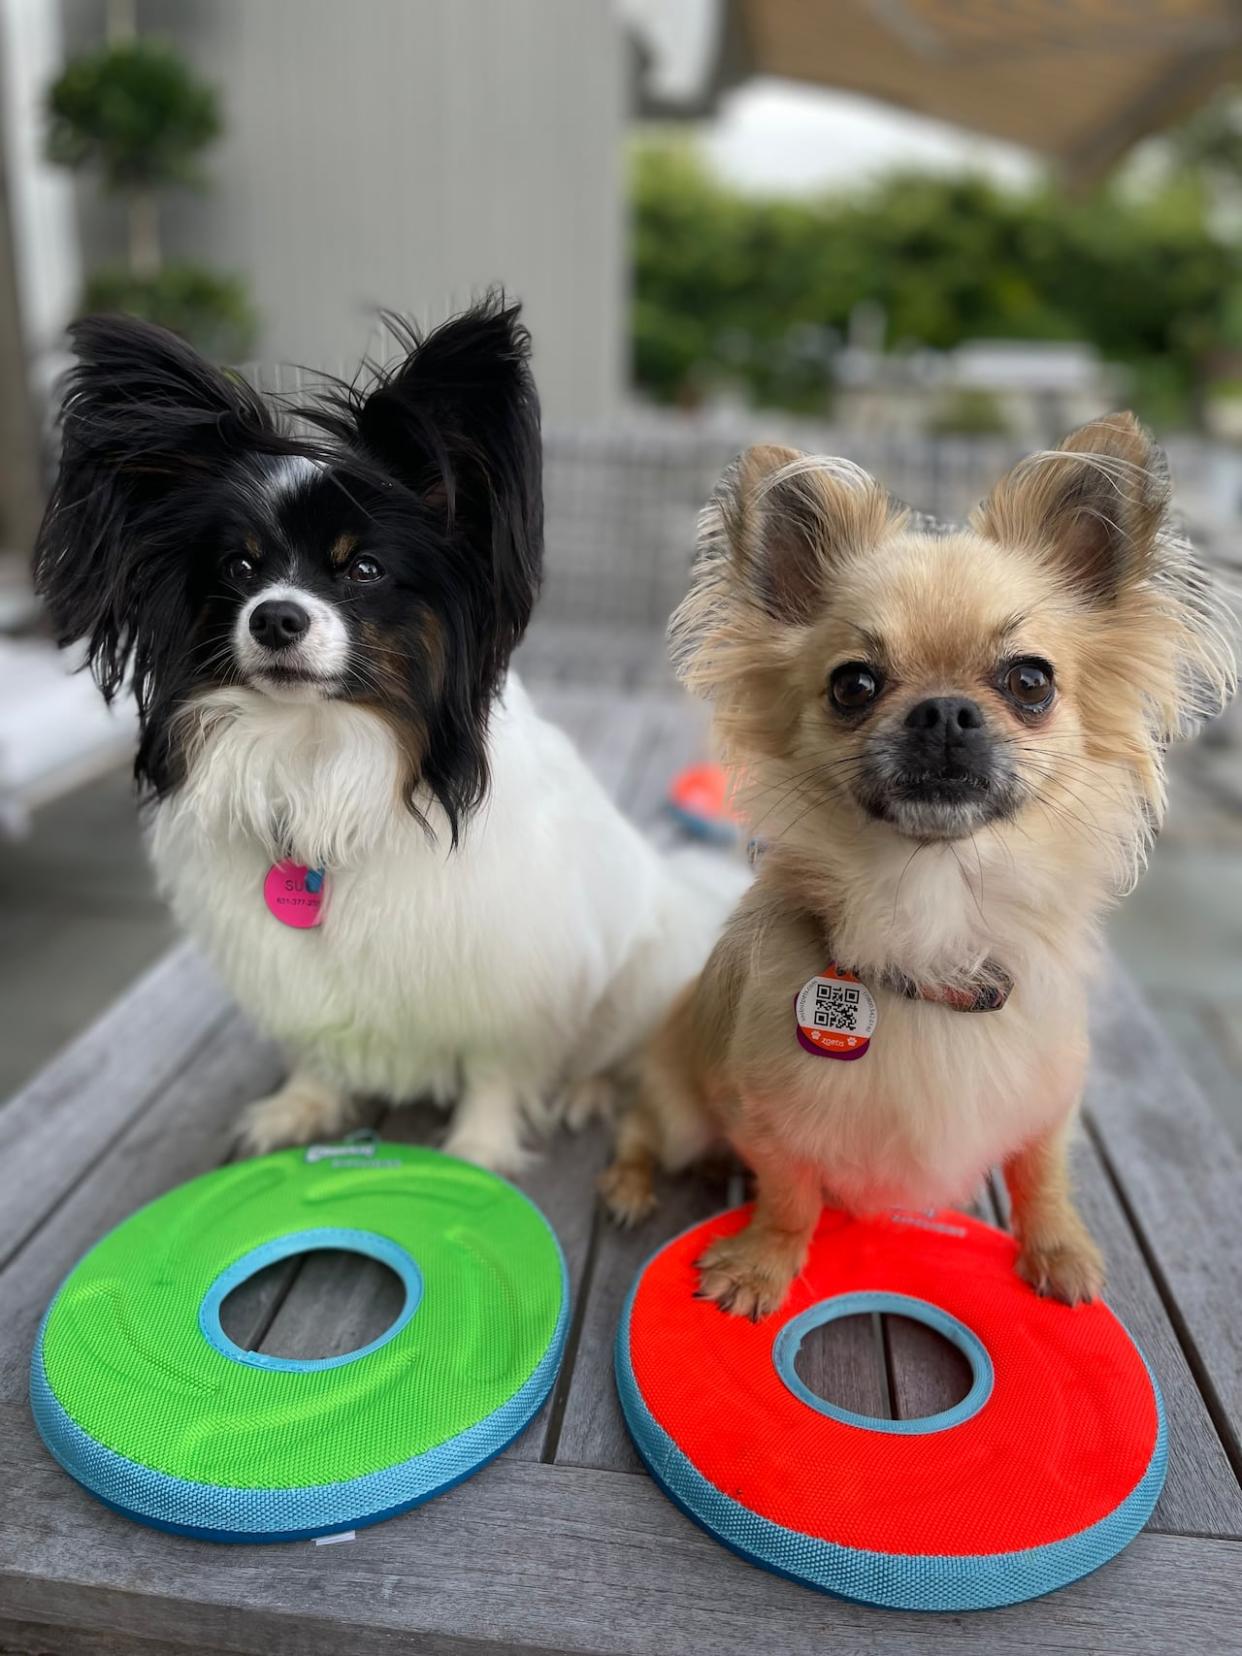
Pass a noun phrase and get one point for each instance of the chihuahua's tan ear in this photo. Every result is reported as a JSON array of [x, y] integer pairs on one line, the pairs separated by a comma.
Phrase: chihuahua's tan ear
[[785, 519], [1094, 505]]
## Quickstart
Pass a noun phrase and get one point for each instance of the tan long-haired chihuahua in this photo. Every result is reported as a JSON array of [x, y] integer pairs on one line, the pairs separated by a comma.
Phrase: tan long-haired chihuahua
[[952, 744]]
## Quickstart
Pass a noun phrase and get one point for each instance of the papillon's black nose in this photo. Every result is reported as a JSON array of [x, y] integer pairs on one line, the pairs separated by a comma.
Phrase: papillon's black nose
[[278, 622], [950, 717]]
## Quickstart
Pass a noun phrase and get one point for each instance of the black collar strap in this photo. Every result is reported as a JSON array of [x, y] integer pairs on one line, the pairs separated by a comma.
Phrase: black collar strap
[[986, 993]]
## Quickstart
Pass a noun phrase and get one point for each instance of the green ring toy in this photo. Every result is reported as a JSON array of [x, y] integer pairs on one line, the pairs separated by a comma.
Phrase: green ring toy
[[142, 1397]]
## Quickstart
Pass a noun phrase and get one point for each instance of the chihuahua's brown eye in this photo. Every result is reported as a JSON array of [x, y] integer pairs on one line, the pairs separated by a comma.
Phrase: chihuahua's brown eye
[[854, 686], [240, 571], [363, 570], [1030, 684]]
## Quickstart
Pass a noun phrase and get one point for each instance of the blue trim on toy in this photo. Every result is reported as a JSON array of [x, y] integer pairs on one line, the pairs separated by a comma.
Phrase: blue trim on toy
[[299, 1513], [714, 830], [369, 1243], [785, 1350], [897, 1581]]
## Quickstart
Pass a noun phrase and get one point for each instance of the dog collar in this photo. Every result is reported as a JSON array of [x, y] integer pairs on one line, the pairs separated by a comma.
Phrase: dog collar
[[987, 992], [835, 1014]]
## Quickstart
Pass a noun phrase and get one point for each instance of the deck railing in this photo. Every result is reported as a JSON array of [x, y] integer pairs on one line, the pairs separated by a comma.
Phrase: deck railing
[[621, 500]]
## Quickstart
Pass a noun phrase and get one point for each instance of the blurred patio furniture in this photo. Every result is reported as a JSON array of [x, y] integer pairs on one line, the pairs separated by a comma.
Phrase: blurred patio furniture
[[55, 731], [565, 1543]]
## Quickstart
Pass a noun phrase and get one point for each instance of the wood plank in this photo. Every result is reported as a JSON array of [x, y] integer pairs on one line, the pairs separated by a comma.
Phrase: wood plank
[[845, 1362], [39, 1639], [1179, 1176], [249, 1311], [926, 1374], [335, 1303], [535, 1558], [592, 1431], [54, 1130], [562, 1184], [1201, 1494], [188, 1130]]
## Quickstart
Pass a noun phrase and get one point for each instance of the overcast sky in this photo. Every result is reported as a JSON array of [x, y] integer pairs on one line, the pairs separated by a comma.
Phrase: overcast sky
[[774, 135]]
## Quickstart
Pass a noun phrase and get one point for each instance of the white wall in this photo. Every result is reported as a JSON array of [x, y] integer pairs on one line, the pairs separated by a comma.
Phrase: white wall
[[406, 153], [41, 204]]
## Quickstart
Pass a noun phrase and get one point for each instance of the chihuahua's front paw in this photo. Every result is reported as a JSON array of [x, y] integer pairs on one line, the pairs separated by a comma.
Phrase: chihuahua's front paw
[[1071, 1270], [628, 1192], [749, 1274], [302, 1111]]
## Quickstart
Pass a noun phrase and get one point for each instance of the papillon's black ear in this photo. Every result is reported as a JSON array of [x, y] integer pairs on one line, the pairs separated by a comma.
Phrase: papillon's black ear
[[457, 422], [147, 426]]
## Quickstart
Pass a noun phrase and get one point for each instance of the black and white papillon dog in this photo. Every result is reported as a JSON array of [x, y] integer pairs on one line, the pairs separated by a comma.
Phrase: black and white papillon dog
[[317, 630]]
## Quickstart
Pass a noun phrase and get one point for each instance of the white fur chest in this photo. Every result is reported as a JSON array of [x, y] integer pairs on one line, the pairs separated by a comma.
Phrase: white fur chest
[[425, 956]]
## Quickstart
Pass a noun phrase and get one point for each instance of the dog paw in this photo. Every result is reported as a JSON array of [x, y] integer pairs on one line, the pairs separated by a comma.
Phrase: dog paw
[[1067, 1271], [498, 1153], [748, 1275], [300, 1113], [582, 1102], [627, 1193]]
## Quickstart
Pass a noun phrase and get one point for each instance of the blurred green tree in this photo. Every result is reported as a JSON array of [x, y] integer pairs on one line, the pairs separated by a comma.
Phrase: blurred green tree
[[136, 114], [724, 282]]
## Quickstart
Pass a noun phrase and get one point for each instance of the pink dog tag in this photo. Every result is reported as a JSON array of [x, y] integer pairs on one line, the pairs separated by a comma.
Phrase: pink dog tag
[[295, 894]]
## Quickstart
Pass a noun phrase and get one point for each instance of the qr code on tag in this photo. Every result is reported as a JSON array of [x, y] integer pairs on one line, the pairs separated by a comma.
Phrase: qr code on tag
[[836, 1006]]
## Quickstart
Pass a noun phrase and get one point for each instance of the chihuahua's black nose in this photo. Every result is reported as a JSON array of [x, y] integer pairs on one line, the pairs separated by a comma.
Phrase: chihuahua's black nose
[[278, 622], [947, 741], [950, 716]]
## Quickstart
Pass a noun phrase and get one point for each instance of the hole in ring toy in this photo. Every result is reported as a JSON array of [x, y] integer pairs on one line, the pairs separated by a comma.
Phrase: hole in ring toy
[[1047, 1468], [143, 1398]]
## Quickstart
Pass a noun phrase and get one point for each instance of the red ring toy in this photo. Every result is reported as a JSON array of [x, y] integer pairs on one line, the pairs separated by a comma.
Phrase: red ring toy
[[1049, 1467]]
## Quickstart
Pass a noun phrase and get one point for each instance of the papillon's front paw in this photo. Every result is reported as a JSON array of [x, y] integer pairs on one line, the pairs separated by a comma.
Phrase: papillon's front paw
[[1072, 1270], [588, 1100], [509, 1157], [749, 1275], [302, 1112]]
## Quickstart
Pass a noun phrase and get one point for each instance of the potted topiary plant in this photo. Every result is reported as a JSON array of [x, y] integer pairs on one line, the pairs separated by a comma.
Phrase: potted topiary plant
[[137, 115]]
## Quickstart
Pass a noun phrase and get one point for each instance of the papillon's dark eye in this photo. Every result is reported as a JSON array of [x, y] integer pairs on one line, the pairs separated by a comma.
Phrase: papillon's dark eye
[[1029, 683], [854, 686], [240, 570], [364, 570]]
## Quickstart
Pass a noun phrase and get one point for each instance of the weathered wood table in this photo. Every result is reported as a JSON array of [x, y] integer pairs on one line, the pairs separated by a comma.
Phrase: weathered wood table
[[564, 1543]]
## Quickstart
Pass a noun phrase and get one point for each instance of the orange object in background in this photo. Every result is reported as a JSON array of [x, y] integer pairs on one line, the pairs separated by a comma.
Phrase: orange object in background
[[699, 798]]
